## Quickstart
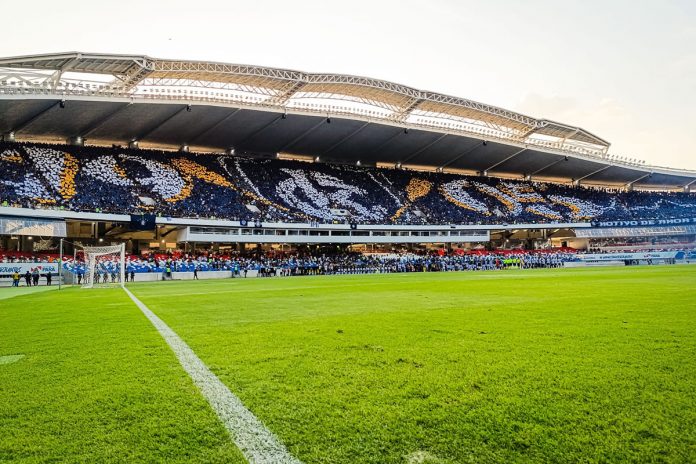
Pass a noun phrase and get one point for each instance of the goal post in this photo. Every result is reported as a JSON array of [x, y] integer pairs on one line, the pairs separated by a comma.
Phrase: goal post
[[105, 266]]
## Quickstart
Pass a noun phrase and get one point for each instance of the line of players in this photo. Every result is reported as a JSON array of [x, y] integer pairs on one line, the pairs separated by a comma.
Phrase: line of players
[[31, 278]]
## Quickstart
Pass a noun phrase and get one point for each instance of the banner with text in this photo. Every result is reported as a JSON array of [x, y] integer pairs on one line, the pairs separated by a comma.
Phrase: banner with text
[[645, 222], [657, 255], [21, 268]]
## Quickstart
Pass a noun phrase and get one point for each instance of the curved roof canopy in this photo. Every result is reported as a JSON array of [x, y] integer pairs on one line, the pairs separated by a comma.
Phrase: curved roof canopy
[[135, 75], [103, 78]]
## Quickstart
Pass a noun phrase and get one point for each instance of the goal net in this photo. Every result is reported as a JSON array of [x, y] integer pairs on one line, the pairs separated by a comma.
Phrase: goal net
[[104, 266]]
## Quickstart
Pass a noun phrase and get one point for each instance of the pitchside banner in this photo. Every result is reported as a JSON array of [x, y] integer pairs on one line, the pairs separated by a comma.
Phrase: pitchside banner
[[21, 268], [631, 256], [652, 222]]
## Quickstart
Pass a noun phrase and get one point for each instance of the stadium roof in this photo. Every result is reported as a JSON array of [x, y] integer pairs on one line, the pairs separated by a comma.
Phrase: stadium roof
[[119, 98]]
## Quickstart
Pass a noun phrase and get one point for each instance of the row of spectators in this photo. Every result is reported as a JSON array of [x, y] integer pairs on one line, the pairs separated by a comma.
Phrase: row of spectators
[[118, 180], [658, 243], [338, 263]]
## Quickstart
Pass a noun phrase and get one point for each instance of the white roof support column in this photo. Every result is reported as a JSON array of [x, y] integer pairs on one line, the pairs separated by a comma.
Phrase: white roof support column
[[463, 154], [302, 135], [550, 165], [159, 124], [210, 128], [604, 168], [85, 131], [22, 125], [344, 139], [421, 150], [640, 178], [506, 159]]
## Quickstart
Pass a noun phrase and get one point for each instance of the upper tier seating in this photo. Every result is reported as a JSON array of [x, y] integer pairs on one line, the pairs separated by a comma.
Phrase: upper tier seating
[[117, 180]]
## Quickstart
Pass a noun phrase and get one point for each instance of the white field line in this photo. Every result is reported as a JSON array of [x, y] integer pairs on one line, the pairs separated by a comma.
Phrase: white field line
[[258, 444]]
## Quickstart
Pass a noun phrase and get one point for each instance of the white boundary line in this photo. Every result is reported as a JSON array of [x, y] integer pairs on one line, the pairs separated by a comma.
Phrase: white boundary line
[[258, 444]]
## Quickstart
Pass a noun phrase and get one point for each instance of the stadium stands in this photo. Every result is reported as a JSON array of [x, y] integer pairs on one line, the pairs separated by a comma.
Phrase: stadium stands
[[338, 263], [118, 180]]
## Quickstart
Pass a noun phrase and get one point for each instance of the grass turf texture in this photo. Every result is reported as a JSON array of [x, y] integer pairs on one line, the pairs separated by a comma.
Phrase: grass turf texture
[[586, 365], [96, 383]]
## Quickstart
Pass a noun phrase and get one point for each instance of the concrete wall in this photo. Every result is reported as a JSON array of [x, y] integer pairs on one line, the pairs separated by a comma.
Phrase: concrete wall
[[201, 275], [7, 282], [593, 264]]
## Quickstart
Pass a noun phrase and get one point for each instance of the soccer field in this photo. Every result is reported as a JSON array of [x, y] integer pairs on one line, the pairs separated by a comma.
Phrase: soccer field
[[565, 365]]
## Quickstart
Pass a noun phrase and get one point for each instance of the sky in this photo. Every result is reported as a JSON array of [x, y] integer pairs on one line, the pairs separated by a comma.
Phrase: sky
[[624, 70]]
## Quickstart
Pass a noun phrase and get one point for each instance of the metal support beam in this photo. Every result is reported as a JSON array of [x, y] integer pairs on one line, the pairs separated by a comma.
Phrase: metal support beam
[[24, 124], [56, 76], [112, 228], [421, 150], [258, 131], [462, 154], [506, 159], [531, 131], [209, 129], [550, 165], [84, 132], [302, 135], [687, 187], [344, 139], [604, 168], [410, 108], [138, 71], [640, 178], [152, 129], [572, 134], [173, 229], [286, 95], [384, 144]]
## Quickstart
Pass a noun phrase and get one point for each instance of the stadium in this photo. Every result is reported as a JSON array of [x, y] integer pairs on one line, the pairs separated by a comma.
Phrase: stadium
[[387, 274]]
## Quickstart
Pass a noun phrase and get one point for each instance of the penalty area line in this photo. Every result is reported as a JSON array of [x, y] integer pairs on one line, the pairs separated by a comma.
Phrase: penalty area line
[[258, 444]]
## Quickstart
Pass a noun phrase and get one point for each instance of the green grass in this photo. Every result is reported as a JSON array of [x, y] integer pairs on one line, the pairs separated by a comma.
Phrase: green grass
[[585, 365], [13, 292], [97, 384]]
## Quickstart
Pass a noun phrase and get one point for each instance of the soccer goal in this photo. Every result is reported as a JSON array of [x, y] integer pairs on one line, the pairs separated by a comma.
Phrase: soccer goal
[[105, 266]]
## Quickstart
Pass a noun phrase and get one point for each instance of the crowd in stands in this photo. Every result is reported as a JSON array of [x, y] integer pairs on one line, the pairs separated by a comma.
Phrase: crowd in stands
[[292, 264], [285, 264], [658, 243], [119, 180]]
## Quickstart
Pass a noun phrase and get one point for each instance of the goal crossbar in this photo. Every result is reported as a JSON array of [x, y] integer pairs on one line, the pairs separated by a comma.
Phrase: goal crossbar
[[104, 266]]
